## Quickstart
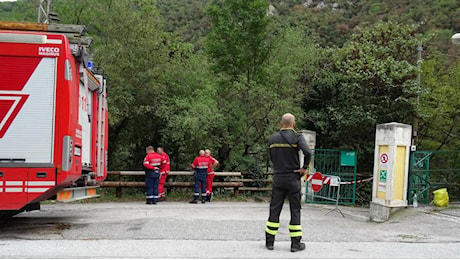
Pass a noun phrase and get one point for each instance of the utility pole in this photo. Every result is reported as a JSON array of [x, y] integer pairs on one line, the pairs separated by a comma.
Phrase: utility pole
[[419, 69], [44, 13]]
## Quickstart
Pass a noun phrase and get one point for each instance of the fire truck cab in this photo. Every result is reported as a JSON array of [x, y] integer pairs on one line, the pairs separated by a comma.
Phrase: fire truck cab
[[53, 116]]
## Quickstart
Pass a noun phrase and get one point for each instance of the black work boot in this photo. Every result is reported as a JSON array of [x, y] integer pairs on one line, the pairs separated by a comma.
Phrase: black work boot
[[269, 241], [296, 245]]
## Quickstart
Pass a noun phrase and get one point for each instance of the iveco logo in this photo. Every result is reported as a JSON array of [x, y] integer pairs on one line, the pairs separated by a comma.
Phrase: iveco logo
[[48, 51]]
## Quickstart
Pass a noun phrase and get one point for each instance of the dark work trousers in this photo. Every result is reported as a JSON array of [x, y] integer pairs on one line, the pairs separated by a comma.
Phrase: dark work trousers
[[200, 184], [285, 186], [152, 178]]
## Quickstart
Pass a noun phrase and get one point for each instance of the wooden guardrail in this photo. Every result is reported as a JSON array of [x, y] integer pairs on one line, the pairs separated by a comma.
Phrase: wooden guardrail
[[231, 180]]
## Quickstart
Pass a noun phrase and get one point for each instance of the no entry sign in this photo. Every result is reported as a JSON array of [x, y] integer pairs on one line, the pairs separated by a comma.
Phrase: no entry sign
[[317, 182], [383, 158]]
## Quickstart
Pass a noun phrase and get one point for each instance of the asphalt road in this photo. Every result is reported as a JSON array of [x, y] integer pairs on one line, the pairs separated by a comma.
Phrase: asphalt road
[[224, 230]]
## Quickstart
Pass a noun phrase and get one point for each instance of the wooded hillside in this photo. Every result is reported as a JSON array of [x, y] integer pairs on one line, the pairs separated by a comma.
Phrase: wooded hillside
[[218, 74]]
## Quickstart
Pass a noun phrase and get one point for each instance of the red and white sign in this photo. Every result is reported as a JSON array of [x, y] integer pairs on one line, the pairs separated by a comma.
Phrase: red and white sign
[[317, 182], [15, 73], [383, 158], [10, 105]]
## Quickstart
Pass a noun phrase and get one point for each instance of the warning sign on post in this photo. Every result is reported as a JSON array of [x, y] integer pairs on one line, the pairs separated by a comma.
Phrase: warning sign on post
[[382, 180], [383, 159]]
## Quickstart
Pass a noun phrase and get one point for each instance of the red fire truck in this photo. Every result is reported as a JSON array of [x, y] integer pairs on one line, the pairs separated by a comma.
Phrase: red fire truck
[[53, 116]]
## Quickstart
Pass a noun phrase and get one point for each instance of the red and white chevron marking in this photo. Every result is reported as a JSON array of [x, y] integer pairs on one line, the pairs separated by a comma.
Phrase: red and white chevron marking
[[327, 180]]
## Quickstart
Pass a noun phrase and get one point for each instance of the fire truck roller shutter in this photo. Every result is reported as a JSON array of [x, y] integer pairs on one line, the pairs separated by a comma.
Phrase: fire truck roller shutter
[[27, 108]]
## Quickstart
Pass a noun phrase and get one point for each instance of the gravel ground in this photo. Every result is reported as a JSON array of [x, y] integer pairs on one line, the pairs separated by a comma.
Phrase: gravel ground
[[224, 230]]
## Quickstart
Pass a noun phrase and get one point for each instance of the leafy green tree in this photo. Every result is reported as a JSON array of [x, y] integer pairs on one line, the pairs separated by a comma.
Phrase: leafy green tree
[[132, 49], [189, 109], [258, 69], [161, 92], [135, 53], [185, 18], [237, 41], [440, 106], [238, 47], [19, 11], [373, 81], [164, 91]]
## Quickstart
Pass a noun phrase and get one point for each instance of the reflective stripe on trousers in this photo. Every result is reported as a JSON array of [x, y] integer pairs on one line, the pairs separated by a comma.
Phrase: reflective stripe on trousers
[[295, 230], [272, 228]]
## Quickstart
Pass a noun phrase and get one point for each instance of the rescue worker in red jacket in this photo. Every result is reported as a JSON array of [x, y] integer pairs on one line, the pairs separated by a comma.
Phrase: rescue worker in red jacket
[[210, 173], [164, 171], [152, 163], [200, 164]]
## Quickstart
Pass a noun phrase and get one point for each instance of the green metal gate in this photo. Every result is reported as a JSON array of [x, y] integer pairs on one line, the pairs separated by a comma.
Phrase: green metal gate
[[339, 163], [431, 170]]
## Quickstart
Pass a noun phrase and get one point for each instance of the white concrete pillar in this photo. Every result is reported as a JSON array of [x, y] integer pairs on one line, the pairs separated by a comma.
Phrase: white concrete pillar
[[310, 137], [391, 167]]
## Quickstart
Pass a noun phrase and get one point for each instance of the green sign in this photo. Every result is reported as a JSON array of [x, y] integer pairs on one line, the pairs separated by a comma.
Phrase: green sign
[[383, 176], [347, 158]]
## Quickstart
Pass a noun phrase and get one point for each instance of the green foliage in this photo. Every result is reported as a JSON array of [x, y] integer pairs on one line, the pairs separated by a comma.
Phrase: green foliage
[[237, 40], [127, 37], [440, 107], [238, 47], [187, 79], [23, 11], [371, 82], [185, 18], [258, 66], [249, 165], [190, 110]]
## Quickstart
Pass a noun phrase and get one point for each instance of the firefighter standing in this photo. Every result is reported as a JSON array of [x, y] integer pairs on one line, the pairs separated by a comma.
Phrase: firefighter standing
[[210, 173], [164, 171], [152, 163], [200, 165], [284, 154]]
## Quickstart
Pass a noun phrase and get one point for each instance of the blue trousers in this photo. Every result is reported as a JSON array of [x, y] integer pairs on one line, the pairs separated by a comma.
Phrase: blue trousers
[[152, 179], [200, 180]]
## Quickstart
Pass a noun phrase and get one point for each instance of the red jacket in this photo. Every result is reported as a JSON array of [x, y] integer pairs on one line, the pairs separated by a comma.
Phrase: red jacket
[[201, 164], [165, 168], [153, 161], [211, 163]]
